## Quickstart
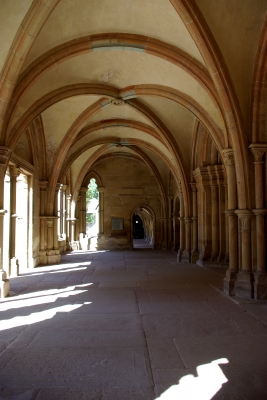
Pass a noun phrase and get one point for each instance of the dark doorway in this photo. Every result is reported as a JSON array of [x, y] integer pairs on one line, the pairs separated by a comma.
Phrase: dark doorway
[[138, 228]]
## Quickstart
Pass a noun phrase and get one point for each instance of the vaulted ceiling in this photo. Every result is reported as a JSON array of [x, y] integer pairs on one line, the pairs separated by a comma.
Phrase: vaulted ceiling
[[106, 77]]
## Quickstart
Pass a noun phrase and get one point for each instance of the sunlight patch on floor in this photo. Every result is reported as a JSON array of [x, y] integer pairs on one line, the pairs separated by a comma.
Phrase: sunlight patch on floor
[[203, 387]]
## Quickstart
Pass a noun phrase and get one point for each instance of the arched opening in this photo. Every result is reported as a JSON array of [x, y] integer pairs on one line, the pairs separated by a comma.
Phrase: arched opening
[[92, 212], [143, 228], [138, 227]]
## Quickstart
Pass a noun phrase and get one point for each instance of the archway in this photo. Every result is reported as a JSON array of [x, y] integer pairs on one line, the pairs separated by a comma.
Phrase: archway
[[143, 227]]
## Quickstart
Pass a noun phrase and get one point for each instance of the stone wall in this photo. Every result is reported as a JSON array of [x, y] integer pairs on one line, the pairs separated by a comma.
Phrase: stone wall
[[128, 185]]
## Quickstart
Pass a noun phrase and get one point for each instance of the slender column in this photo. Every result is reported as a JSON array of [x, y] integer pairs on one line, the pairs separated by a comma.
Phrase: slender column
[[176, 232], [182, 229], [214, 222], [194, 251], [64, 211], [231, 273], [68, 221], [78, 221], [244, 284], [258, 151], [187, 251], [170, 231], [55, 223], [82, 214], [101, 191], [43, 186], [49, 226], [14, 262]]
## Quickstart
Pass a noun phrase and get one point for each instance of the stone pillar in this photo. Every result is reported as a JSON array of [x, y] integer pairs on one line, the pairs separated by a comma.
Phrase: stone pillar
[[78, 221], [4, 282], [187, 252], [170, 229], [231, 273], [14, 262], [165, 233], [182, 229], [244, 285], [64, 211], [194, 251], [55, 223], [49, 226], [214, 222], [43, 245], [82, 214], [68, 221], [101, 191], [175, 232], [260, 284]]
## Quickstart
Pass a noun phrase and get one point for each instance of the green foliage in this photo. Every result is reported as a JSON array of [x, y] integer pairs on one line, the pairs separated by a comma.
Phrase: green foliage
[[92, 193]]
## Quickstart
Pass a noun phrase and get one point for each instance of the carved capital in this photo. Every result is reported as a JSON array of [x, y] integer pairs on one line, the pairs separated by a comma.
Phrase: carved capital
[[43, 185], [258, 150], [101, 189], [4, 154], [193, 186], [245, 217], [14, 171], [83, 189], [228, 155]]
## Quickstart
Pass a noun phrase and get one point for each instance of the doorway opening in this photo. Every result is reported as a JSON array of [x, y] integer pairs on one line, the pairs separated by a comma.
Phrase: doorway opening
[[143, 228]]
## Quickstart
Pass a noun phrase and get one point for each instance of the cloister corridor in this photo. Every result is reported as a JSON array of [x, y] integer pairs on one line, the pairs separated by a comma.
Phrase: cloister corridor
[[129, 325]]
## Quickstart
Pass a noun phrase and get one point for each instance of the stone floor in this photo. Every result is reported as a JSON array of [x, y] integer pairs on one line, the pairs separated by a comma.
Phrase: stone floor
[[129, 325]]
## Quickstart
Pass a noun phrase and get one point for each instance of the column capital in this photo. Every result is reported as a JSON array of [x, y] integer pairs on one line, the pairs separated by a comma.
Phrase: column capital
[[258, 150], [58, 187], [64, 188], [259, 211], [43, 185], [170, 197], [83, 189], [245, 217], [101, 189], [4, 154], [69, 196], [229, 158], [14, 171], [193, 186], [188, 220]]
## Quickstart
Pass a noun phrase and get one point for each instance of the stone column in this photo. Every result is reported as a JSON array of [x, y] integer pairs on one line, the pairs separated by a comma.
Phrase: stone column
[[82, 216], [231, 273], [4, 282], [244, 286], [176, 233], [64, 211], [260, 285], [170, 230], [43, 228], [182, 229], [55, 223], [194, 251], [187, 251], [14, 262], [78, 221], [165, 233], [68, 221], [101, 191]]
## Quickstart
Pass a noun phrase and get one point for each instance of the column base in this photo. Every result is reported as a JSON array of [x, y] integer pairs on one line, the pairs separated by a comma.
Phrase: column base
[[194, 256], [185, 256], [4, 285], [260, 286], [229, 283], [164, 246], [14, 266], [244, 285], [179, 255]]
